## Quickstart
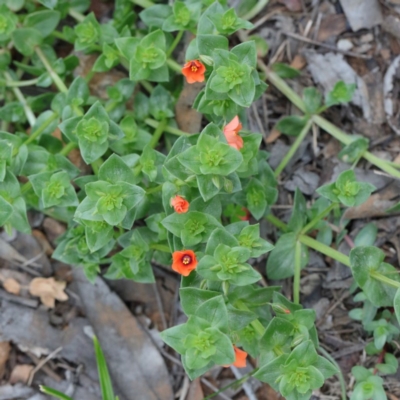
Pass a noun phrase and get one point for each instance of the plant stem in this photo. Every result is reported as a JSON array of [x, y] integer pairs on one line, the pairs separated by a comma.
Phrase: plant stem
[[68, 148], [29, 82], [96, 165], [324, 249], [380, 277], [256, 9], [314, 221], [160, 247], [256, 324], [277, 222], [170, 129], [158, 133], [297, 272], [296, 144], [177, 39], [174, 65], [339, 371], [234, 383], [18, 94], [143, 3], [147, 85], [154, 189], [41, 128], [54, 76]]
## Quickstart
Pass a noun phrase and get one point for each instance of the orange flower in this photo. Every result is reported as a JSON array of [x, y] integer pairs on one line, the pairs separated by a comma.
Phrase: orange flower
[[194, 71], [231, 132], [180, 204], [184, 262], [240, 358]]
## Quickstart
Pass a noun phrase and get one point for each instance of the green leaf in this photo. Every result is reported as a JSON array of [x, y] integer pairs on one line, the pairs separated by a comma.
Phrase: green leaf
[[206, 44], [271, 371], [280, 263], [5, 211], [285, 71], [396, 304], [246, 53], [340, 94], [45, 21], [54, 393], [193, 298], [255, 197], [156, 15], [104, 377], [367, 235], [299, 214], [354, 150], [291, 125], [367, 260], [214, 311], [115, 170], [26, 39], [312, 100]]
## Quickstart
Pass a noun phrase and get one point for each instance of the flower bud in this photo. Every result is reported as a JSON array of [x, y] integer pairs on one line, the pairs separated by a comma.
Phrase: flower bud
[[206, 59], [280, 309]]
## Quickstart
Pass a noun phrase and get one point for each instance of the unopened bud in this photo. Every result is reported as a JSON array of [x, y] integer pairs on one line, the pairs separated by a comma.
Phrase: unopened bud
[[228, 185], [216, 181], [280, 309], [225, 287], [206, 59]]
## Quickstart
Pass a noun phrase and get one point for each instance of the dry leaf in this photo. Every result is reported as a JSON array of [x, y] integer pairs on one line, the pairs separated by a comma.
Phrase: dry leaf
[[274, 134], [299, 62], [21, 373], [49, 290], [42, 239], [4, 355], [12, 286]]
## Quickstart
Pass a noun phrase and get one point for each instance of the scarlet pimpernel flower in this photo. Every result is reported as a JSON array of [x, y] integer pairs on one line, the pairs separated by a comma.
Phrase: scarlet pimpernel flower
[[179, 204], [194, 71], [240, 358], [231, 132], [184, 262]]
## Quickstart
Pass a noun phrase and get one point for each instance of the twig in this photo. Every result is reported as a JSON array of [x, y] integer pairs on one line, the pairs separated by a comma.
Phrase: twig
[[325, 45], [33, 303], [41, 365], [215, 389], [185, 388]]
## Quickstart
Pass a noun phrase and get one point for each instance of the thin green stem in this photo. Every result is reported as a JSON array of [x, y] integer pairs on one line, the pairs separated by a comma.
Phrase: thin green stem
[[34, 135], [297, 272], [337, 133], [296, 144], [54, 76], [324, 249], [29, 82], [158, 133], [147, 85], [380, 277], [256, 9], [277, 222], [339, 371], [174, 65], [234, 383], [154, 189], [318, 218], [18, 94], [68, 148], [96, 165], [170, 129], [160, 247], [256, 324], [143, 3], [177, 39]]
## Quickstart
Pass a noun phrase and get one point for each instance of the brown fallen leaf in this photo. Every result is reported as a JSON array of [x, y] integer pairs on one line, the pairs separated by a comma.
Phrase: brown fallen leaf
[[21, 373], [4, 355], [41, 238], [12, 286], [49, 290], [298, 62], [274, 134]]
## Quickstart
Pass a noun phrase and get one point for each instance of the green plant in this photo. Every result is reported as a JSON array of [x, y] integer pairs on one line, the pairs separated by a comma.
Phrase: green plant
[[106, 387], [187, 203]]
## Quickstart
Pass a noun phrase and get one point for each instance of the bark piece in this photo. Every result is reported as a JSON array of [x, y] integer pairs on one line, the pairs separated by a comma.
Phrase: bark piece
[[125, 344]]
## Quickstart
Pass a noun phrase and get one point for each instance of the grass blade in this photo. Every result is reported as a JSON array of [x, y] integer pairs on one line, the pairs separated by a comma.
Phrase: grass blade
[[54, 393], [104, 377]]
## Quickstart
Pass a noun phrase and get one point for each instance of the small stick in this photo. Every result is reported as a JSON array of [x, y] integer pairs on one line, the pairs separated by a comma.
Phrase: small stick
[[41, 365]]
